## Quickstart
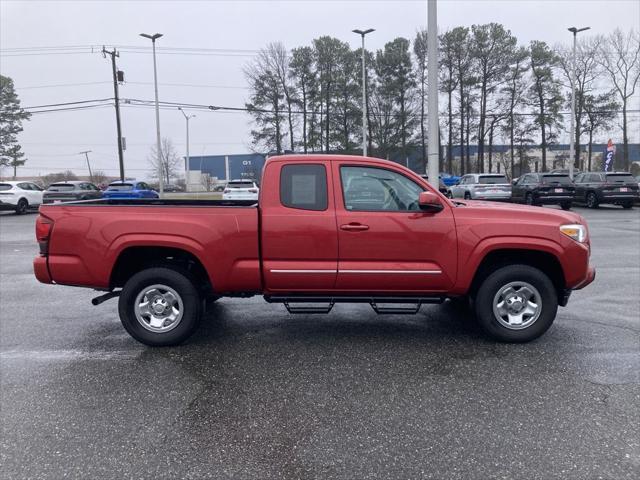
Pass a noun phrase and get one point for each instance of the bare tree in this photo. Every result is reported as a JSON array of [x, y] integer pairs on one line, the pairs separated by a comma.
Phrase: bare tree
[[619, 56], [587, 73], [99, 177], [170, 161]]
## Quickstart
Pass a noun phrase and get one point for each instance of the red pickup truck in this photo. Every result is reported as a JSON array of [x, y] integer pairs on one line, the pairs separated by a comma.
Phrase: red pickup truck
[[326, 229]]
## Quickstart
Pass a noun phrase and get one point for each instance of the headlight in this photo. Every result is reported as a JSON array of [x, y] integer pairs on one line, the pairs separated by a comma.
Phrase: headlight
[[576, 231]]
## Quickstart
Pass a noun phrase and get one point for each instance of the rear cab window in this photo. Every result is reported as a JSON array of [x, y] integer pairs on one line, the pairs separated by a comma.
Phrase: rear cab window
[[121, 187], [304, 187], [620, 178], [61, 187], [246, 184], [492, 179], [556, 178]]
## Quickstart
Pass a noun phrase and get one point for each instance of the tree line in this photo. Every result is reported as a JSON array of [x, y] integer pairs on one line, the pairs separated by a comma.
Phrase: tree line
[[492, 89]]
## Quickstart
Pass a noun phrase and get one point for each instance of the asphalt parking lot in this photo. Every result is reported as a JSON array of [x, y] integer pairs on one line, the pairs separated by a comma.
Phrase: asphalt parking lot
[[260, 394]]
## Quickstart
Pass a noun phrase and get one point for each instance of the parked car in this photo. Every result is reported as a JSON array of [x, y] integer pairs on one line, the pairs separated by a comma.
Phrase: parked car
[[20, 196], [482, 186], [327, 229], [171, 188], [129, 189], [70, 191], [441, 185], [544, 189], [595, 188], [241, 190]]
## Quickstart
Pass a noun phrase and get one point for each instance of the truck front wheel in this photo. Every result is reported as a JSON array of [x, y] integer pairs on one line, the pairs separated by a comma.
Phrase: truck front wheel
[[160, 306], [516, 303]]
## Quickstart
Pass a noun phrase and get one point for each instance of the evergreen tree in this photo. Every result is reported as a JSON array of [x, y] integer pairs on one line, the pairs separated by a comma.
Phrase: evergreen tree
[[11, 118]]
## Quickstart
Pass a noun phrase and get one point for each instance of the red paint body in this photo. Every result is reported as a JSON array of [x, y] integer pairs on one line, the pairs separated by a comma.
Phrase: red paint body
[[247, 250]]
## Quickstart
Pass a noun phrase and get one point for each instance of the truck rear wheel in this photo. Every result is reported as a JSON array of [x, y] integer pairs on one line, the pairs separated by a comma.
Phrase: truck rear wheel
[[516, 303], [160, 306]]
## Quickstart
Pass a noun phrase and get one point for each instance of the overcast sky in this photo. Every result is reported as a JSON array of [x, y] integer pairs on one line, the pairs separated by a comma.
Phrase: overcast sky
[[52, 140]]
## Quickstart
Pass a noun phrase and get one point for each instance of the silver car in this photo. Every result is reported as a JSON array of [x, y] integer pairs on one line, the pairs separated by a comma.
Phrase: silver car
[[482, 186]]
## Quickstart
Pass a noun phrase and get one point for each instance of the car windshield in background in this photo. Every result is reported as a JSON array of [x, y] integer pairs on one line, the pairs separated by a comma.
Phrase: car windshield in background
[[562, 179], [240, 184], [493, 179], [5, 186], [121, 187], [620, 178], [61, 187]]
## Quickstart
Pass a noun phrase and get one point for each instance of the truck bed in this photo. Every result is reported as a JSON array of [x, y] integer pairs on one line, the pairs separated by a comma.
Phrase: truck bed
[[221, 234]]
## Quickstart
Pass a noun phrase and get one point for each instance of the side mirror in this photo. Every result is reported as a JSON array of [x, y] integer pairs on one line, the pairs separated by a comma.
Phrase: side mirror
[[430, 202], [513, 182]]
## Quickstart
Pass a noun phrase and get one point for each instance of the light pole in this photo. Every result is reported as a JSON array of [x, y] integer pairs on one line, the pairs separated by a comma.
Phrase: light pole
[[153, 39], [187, 118], [433, 148], [86, 155], [572, 129], [362, 33]]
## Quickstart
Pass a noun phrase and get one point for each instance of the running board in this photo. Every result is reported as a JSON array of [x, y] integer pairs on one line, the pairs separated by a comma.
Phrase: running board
[[414, 303]]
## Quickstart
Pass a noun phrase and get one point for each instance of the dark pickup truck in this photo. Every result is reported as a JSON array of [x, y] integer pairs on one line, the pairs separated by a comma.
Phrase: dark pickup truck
[[326, 229]]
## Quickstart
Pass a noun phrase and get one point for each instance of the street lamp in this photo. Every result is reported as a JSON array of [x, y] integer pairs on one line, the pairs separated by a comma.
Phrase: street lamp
[[187, 118], [153, 39], [572, 146], [362, 33]]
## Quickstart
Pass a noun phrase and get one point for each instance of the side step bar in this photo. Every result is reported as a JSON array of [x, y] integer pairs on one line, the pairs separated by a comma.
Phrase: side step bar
[[377, 303]]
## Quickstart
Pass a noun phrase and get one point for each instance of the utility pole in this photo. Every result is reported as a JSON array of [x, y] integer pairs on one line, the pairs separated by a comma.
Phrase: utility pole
[[362, 33], [86, 154], [433, 147], [113, 54], [153, 39], [572, 146]]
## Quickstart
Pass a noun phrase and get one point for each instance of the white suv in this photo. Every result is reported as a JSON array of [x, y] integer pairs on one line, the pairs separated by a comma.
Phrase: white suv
[[482, 186], [20, 196], [241, 190]]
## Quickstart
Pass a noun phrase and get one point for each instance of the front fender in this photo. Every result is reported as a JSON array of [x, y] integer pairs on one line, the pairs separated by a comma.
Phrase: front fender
[[468, 266]]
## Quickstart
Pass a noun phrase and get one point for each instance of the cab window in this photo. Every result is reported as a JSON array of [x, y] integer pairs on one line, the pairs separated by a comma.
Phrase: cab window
[[304, 187], [378, 189]]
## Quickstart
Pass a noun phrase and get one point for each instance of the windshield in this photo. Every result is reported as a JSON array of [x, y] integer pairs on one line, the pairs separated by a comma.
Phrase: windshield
[[5, 186], [240, 185], [120, 187], [491, 179], [620, 178], [562, 179], [61, 187]]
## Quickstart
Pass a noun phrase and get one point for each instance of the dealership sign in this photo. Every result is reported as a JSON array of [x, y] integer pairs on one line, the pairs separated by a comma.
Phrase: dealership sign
[[609, 156]]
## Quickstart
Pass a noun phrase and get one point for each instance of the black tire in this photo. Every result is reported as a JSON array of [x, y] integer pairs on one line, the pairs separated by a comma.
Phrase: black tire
[[627, 205], [467, 196], [22, 206], [490, 287], [178, 280], [449, 195], [528, 199], [565, 205], [592, 200]]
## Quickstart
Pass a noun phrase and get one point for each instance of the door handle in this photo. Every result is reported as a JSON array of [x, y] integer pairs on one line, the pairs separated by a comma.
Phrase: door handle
[[354, 227]]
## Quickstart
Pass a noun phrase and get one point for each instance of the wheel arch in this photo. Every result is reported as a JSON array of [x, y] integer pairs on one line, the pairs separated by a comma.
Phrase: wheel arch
[[543, 259], [133, 259]]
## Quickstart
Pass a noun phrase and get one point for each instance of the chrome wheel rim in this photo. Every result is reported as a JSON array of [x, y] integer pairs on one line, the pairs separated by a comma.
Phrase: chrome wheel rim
[[158, 308], [517, 305]]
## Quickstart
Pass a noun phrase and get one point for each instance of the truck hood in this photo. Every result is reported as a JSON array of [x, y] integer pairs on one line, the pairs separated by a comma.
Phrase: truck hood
[[517, 213]]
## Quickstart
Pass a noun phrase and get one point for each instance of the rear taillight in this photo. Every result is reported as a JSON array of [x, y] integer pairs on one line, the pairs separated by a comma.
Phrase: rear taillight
[[43, 230]]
